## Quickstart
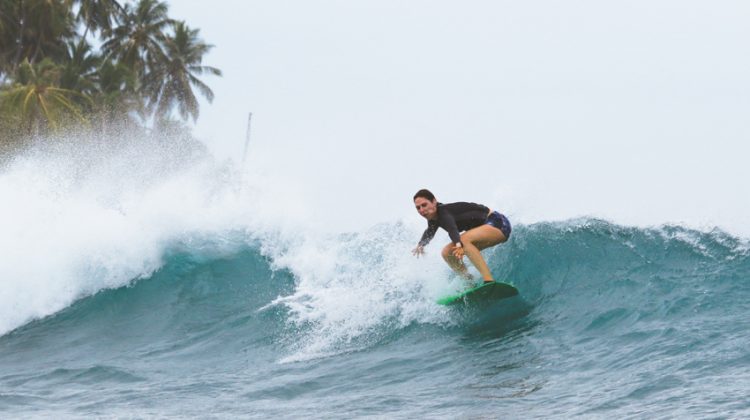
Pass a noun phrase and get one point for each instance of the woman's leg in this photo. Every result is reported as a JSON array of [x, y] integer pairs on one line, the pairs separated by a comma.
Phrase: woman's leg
[[454, 263], [477, 239]]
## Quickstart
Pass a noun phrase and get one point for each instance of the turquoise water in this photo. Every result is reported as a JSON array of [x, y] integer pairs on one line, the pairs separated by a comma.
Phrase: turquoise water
[[612, 321]]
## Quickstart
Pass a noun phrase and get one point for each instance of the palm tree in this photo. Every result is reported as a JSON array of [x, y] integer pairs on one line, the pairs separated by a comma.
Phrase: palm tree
[[8, 34], [34, 30], [97, 15], [136, 41], [170, 83], [36, 99], [79, 69], [116, 99]]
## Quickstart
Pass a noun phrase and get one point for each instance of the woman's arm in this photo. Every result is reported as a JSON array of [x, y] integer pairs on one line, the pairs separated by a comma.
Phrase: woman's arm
[[448, 222], [427, 236]]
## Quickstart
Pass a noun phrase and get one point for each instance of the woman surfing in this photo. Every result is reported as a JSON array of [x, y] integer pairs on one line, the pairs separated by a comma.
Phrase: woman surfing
[[482, 227]]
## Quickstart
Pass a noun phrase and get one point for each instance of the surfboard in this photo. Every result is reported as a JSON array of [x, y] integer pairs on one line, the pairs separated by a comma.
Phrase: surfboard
[[485, 292]]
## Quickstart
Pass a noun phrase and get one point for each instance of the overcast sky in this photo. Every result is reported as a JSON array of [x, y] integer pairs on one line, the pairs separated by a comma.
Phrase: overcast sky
[[635, 111]]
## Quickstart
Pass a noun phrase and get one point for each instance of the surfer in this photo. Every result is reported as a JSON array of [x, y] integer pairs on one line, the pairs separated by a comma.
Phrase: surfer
[[482, 229]]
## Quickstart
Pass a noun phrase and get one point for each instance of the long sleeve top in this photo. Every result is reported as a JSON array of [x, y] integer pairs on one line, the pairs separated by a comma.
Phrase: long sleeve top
[[455, 218]]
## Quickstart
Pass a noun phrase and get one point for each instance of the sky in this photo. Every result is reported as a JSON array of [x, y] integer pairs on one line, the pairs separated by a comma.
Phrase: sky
[[632, 111]]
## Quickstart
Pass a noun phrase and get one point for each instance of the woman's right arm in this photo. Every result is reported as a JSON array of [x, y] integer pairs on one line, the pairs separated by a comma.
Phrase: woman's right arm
[[427, 236]]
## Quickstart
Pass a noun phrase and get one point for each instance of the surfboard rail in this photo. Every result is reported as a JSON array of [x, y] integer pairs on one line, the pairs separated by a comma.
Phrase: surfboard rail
[[485, 292]]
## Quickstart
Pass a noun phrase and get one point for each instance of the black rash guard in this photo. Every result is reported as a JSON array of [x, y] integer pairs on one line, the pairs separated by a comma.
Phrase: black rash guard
[[455, 218]]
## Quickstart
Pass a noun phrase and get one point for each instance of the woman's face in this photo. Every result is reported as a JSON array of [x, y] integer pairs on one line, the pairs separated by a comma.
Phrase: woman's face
[[426, 208]]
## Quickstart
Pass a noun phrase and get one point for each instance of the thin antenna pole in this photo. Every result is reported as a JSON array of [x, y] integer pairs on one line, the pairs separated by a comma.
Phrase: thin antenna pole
[[247, 138]]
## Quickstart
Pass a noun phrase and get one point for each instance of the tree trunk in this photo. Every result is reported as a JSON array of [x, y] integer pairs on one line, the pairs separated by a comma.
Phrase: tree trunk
[[22, 30]]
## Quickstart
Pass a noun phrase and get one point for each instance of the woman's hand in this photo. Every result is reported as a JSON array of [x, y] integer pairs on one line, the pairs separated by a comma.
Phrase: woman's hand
[[458, 252], [418, 251]]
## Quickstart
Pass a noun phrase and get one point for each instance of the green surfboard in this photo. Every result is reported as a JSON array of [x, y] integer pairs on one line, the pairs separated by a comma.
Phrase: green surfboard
[[483, 293]]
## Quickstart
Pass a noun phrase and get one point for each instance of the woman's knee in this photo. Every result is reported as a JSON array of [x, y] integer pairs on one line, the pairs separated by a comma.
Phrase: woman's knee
[[447, 251]]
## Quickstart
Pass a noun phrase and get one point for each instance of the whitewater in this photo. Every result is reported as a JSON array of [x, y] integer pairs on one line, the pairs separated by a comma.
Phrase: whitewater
[[154, 281]]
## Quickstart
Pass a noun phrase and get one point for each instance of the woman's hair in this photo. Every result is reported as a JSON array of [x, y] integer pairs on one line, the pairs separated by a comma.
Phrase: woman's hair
[[424, 194]]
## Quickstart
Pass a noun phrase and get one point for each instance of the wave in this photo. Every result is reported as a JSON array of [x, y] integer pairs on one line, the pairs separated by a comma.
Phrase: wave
[[311, 299], [586, 275], [183, 253], [593, 276], [78, 219]]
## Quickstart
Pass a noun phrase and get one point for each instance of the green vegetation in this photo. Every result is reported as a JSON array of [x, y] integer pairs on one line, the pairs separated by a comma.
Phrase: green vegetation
[[96, 65]]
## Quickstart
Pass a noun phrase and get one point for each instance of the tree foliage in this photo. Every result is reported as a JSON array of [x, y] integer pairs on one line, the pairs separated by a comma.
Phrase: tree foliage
[[36, 101], [172, 78], [148, 68]]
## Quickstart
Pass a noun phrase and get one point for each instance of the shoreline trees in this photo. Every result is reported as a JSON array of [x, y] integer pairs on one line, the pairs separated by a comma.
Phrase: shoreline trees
[[97, 65]]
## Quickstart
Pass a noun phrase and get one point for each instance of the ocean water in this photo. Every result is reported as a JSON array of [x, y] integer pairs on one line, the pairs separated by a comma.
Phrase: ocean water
[[175, 290]]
